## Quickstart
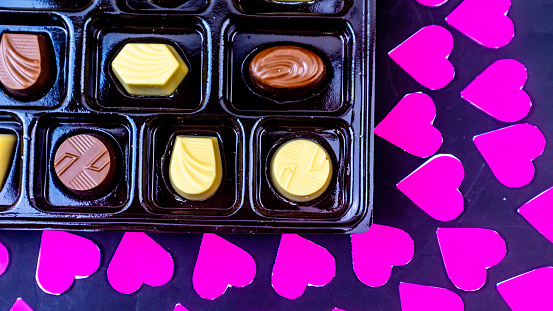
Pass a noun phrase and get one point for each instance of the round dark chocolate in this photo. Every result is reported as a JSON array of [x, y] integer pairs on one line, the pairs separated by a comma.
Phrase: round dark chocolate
[[287, 71], [26, 64], [84, 163]]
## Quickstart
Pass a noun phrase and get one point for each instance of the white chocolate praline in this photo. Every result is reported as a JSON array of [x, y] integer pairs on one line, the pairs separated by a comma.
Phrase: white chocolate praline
[[149, 69], [195, 169], [301, 170]]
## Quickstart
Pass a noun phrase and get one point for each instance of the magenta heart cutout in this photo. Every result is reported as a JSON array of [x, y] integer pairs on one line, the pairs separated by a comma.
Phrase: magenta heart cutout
[[485, 22], [180, 307], [300, 263], [20, 305], [416, 297], [425, 55], [220, 265], [64, 257], [468, 253], [529, 291], [432, 3], [4, 258], [510, 151], [498, 91], [434, 187], [139, 260], [377, 251], [409, 126], [539, 213]]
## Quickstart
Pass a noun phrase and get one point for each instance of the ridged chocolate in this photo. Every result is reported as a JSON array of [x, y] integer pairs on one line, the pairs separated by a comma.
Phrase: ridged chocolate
[[26, 67], [287, 71], [83, 163]]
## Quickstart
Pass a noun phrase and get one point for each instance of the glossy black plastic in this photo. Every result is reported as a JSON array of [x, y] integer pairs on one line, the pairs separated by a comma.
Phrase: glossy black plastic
[[216, 39]]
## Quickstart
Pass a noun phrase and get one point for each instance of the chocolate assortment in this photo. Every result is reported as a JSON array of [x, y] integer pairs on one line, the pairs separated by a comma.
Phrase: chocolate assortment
[[187, 116]]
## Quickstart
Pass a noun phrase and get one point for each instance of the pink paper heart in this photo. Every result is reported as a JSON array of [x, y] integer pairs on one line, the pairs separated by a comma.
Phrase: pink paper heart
[[485, 22], [377, 251], [539, 213], [468, 253], [498, 91], [4, 258], [425, 55], [409, 126], [510, 151], [432, 3], [300, 263], [20, 305], [529, 291], [220, 265], [416, 297], [139, 260], [64, 257], [434, 187], [180, 307]]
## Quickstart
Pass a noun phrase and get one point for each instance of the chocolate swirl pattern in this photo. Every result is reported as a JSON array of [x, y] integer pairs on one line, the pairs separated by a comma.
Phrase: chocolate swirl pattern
[[287, 70], [25, 67], [82, 162]]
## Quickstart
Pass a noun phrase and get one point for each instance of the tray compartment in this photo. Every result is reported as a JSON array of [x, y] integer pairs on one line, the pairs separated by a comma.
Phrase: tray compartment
[[108, 34], [332, 135], [330, 39], [51, 130], [159, 135]]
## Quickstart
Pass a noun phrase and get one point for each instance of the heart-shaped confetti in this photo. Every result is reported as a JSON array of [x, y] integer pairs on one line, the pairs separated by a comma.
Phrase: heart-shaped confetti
[[434, 187], [468, 253], [485, 22], [529, 291], [377, 251], [20, 305], [510, 151], [432, 3], [416, 297], [498, 91], [409, 126], [139, 260], [425, 55], [64, 257], [539, 213], [180, 307], [220, 265], [4, 258], [300, 263]]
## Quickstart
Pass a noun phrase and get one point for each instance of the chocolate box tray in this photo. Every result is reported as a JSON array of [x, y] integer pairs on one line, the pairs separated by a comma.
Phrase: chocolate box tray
[[216, 40]]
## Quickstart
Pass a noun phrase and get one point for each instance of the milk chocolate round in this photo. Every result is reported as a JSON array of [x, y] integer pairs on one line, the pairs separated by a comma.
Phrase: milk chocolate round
[[85, 164], [26, 64], [287, 71]]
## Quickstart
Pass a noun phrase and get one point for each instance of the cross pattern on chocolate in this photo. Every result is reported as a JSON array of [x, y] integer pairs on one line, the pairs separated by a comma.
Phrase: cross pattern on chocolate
[[82, 162]]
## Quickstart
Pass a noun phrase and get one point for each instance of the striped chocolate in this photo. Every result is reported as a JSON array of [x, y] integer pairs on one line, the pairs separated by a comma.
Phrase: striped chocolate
[[83, 163], [287, 71]]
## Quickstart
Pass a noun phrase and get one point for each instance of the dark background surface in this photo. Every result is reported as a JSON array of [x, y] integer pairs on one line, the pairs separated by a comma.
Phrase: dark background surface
[[488, 204]]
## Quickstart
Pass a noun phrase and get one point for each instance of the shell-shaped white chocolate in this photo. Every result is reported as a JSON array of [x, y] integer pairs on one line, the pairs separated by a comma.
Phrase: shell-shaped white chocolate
[[301, 170], [149, 69], [195, 168]]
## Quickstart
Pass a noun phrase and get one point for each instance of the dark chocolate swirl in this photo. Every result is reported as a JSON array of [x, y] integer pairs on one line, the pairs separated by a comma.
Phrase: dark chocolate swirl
[[287, 70]]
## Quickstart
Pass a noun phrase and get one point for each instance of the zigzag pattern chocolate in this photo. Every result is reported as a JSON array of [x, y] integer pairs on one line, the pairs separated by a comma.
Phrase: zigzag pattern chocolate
[[82, 162]]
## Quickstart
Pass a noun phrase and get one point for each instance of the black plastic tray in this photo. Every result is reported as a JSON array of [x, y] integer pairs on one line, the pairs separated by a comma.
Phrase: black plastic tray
[[215, 39]]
